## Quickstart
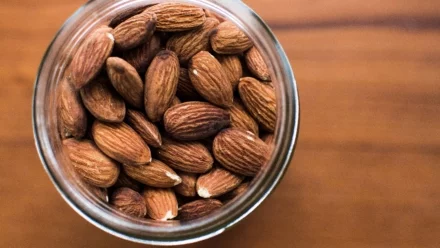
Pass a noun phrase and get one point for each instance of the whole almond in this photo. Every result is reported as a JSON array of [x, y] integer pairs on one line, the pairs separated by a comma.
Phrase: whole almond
[[198, 209], [217, 182], [240, 151], [141, 56], [232, 66], [120, 142], [227, 38], [195, 120], [185, 88], [101, 193], [236, 192], [129, 202], [91, 164], [256, 64], [188, 186], [189, 43], [124, 181], [176, 101], [72, 117], [135, 30], [173, 17], [102, 101], [241, 119], [91, 56], [212, 14], [126, 14], [210, 80], [260, 101], [155, 174], [147, 130], [161, 203], [190, 157], [161, 84]]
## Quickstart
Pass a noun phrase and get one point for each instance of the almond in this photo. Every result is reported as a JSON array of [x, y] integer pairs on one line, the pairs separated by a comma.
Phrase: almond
[[217, 182], [240, 151], [260, 101], [91, 56], [268, 138], [124, 181], [212, 14], [210, 80], [227, 38], [129, 202], [101, 193], [126, 81], [155, 174], [176, 101], [232, 66], [173, 17], [185, 88], [195, 120], [91, 164], [241, 119], [189, 43], [141, 56], [188, 186], [198, 209], [72, 117], [135, 30], [161, 203], [147, 130], [161, 84], [256, 64], [236, 192], [190, 157], [125, 14], [120, 142], [102, 101]]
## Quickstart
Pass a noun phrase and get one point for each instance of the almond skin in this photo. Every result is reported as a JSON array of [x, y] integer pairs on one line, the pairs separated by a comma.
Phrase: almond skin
[[217, 182], [155, 174], [185, 88], [126, 14], [147, 130], [91, 56], [269, 139], [101, 193], [243, 187], [120, 142], [188, 186], [256, 64], [126, 81], [141, 56], [174, 17], [190, 157], [241, 119], [260, 101], [135, 30], [72, 116], [195, 120], [227, 38], [198, 209], [102, 101], [212, 14], [161, 203], [161, 84], [187, 44], [210, 80], [240, 151], [129, 202], [124, 181], [91, 164], [176, 101], [232, 66]]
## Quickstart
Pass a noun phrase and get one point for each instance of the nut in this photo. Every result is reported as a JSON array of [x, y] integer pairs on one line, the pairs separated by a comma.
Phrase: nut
[[129, 202]]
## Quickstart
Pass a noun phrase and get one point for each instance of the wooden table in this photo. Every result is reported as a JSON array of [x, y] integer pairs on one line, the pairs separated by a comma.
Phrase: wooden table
[[366, 172]]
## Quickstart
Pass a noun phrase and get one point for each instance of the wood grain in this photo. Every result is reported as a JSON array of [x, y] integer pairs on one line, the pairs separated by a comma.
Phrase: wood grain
[[365, 173]]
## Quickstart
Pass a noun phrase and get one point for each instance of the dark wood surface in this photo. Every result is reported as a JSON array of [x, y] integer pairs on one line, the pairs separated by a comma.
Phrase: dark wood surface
[[366, 172]]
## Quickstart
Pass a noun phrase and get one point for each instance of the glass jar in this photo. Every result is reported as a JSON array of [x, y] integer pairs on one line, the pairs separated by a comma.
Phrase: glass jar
[[99, 213]]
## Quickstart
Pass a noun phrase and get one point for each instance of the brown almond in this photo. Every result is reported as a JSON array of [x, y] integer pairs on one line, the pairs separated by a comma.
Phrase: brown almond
[[232, 66], [195, 120], [101, 193], [185, 88], [210, 80], [161, 84], [176, 101], [212, 14], [126, 81], [240, 151], [243, 187], [256, 64], [241, 119], [141, 56], [260, 101], [120, 142], [198, 209], [189, 43], [161, 203], [72, 117], [217, 182], [91, 56], [135, 30], [227, 38], [190, 157], [188, 186], [173, 17], [269, 139], [147, 130], [126, 14], [129, 202], [155, 174], [102, 101], [91, 164], [124, 181]]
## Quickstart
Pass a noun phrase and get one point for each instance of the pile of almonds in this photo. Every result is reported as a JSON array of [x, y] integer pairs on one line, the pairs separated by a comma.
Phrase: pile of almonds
[[167, 112]]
